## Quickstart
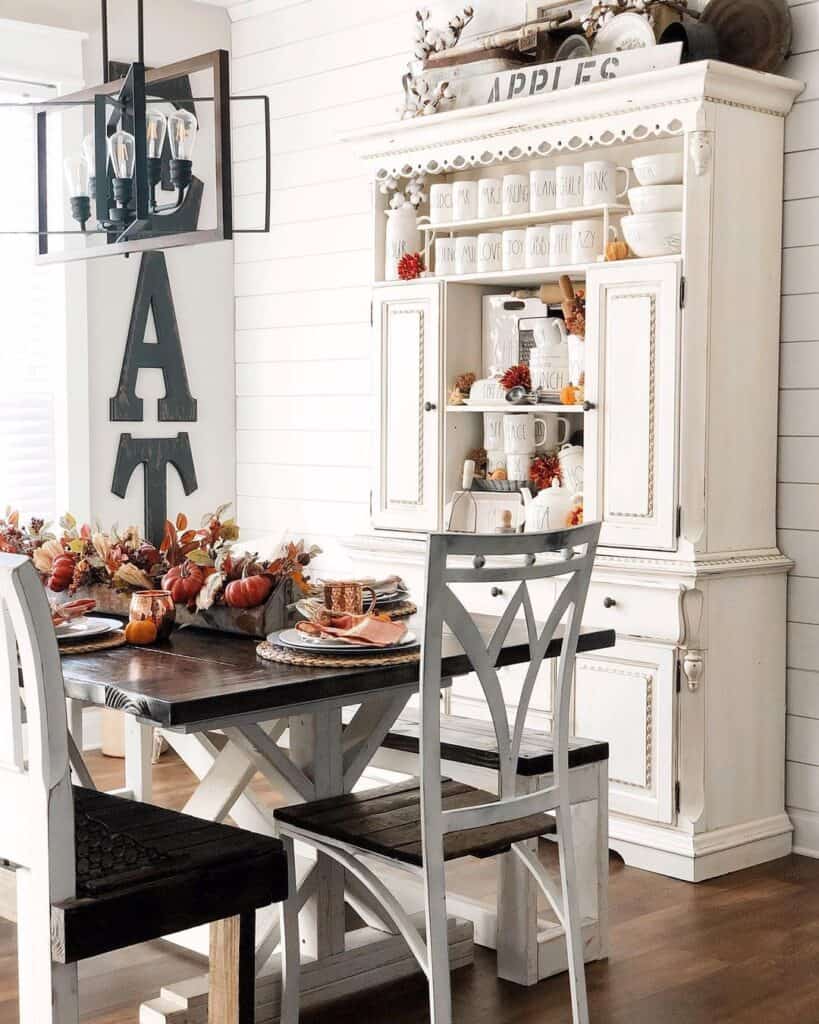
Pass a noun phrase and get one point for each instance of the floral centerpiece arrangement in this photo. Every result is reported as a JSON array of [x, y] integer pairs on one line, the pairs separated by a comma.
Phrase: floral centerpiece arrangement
[[200, 568]]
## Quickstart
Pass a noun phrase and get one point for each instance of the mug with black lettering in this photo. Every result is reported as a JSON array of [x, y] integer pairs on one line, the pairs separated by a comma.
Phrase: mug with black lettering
[[569, 186], [600, 182], [587, 240], [490, 198], [464, 200], [490, 252], [440, 203], [514, 250], [537, 246], [515, 194], [542, 185]]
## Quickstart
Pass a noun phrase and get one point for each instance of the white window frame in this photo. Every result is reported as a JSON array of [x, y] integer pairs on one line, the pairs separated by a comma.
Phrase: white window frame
[[54, 56]]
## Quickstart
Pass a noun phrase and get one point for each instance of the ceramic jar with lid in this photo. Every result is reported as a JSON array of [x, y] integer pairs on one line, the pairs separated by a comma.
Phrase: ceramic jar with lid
[[549, 510]]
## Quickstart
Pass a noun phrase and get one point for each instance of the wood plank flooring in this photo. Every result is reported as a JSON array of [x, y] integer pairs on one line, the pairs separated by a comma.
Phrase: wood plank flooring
[[737, 950]]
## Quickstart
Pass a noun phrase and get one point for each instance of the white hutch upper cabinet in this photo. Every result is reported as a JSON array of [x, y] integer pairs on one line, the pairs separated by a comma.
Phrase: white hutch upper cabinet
[[406, 495], [632, 382], [680, 437]]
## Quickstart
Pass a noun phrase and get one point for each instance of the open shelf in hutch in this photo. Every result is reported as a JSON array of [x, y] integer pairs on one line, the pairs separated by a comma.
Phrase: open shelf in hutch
[[680, 443]]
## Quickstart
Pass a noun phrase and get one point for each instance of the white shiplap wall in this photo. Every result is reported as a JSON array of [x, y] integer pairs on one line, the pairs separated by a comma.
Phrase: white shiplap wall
[[303, 377], [799, 427]]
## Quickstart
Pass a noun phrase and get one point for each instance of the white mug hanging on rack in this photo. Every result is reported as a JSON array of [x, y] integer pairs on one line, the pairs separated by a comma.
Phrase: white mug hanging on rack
[[600, 182], [402, 236]]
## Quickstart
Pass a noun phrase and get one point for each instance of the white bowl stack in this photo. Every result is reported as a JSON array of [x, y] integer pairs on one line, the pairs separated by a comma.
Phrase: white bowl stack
[[654, 227]]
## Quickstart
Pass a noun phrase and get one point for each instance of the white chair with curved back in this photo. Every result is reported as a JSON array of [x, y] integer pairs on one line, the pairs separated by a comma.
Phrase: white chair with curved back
[[95, 872], [422, 824]]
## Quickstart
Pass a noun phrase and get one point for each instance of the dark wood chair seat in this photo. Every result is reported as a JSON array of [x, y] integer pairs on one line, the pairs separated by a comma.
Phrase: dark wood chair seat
[[470, 741], [144, 872], [387, 821]]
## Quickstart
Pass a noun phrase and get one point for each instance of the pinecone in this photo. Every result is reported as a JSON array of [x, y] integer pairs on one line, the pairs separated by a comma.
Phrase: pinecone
[[517, 376], [410, 266]]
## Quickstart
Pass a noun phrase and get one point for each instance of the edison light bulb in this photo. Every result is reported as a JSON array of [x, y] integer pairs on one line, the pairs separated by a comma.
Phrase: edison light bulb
[[76, 176], [155, 128], [122, 154], [182, 129]]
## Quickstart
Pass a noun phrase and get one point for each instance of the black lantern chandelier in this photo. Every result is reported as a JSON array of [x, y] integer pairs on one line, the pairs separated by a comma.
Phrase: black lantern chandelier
[[137, 150]]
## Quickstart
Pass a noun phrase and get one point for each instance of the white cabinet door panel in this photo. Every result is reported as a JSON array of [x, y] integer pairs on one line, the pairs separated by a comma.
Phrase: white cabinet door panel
[[632, 380], [626, 697], [406, 493]]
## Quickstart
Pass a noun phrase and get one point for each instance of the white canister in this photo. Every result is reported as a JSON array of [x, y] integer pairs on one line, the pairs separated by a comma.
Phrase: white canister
[[490, 252], [569, 186], [537, 246], [587, 241], [560, 243], [440, 203], [465, 200], [444, 256], [490, 198], [542, 189], [600, 182], [493, 431], [402, 236], [515, 194], [466, 254], [514, 249], [523, 432], [570, 457], [496, 458], [518, 465]]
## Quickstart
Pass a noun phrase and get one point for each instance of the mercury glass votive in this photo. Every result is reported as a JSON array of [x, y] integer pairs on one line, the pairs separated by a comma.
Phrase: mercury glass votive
[[156, 606]]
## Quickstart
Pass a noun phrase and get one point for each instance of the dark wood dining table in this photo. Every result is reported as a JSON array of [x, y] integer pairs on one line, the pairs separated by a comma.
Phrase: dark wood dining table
[[229, 714]]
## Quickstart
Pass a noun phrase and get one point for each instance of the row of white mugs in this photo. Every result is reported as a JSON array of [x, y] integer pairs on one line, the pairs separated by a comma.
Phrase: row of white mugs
[[559, 188], [541, 245], [511, 441]]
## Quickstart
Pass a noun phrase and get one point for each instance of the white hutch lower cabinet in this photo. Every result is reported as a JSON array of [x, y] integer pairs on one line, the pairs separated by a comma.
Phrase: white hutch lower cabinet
[[680, 440]]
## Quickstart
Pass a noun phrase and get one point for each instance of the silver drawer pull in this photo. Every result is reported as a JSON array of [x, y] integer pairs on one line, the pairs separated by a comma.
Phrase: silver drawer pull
[[609, 602]]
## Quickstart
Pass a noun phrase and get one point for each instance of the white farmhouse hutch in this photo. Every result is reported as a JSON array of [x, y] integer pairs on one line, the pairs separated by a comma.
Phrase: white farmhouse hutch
[[680, 446]]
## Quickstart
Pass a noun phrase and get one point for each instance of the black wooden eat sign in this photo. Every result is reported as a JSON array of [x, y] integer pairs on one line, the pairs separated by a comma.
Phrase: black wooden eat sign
[[153, 294]]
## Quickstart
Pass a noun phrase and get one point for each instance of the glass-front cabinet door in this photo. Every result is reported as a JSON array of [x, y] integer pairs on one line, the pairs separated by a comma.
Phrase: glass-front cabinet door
[[407, 478], [632, 380]]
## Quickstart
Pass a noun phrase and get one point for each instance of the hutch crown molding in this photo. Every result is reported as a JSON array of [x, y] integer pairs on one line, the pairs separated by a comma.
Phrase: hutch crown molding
[[680, 445]]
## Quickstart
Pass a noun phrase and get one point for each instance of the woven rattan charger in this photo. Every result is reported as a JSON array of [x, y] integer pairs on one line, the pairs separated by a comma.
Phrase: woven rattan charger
[[285, 656], [104, 643]]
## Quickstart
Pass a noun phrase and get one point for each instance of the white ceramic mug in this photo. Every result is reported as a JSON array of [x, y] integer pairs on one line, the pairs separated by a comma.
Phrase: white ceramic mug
[[557, 432], [600, 182], [444, 256], [542, 185], [515, 194], [523, 432], [464, 200], [490, 252], [569, 186], [560, 244], [588, 240], [577, 358], [466, 254], [490, 198], [517, 465], [496, 458], [514, 249], [440, 204], [537, 246], [493, 431]]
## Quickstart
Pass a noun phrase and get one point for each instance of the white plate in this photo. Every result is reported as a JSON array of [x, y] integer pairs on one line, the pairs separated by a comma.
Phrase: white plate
[[85, 628], [298, 641], [628, 31]]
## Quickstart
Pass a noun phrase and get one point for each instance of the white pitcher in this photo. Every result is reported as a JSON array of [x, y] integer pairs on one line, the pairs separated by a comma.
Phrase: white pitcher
[[402, 236]]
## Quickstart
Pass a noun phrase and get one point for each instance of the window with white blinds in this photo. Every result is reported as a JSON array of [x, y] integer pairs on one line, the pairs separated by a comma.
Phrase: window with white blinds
[[32, 322]]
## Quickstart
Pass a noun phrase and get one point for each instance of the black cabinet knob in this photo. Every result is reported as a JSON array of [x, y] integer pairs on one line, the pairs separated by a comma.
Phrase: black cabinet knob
[[609, 602], [588, 406], [496, 592], [429, 406]]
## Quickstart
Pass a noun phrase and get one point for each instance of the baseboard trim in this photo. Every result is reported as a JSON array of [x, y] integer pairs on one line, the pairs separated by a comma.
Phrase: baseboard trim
[[805, 832]]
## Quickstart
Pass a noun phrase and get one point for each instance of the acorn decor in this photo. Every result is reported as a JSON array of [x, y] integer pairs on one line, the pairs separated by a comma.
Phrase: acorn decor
[[410, 266], [517, 376]]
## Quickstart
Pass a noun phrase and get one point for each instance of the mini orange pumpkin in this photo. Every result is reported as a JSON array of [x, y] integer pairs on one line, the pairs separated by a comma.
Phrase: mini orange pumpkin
[[568, 395], [142, 632]]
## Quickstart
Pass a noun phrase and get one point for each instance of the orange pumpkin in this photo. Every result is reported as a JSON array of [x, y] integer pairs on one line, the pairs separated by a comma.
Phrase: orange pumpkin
[[142, 632]]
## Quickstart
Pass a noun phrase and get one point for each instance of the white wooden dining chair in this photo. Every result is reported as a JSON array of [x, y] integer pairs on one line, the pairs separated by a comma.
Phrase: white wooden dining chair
[[421, 825], [94, 872]]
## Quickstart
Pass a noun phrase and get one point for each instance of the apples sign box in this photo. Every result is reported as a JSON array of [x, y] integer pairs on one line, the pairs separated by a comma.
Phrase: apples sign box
[[568, 74]]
